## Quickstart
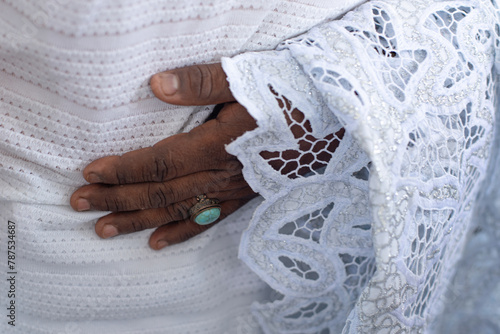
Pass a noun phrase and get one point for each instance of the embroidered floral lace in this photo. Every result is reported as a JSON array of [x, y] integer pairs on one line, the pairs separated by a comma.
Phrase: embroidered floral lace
[[386, 206]]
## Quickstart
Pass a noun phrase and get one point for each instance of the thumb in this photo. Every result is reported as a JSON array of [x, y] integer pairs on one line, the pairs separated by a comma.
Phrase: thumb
[[192, 85]]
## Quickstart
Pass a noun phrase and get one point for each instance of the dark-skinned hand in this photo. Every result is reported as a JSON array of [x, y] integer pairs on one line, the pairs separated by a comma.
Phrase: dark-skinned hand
[[155, 187]]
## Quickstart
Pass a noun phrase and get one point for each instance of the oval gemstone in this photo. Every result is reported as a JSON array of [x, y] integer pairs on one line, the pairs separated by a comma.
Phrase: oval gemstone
[[207, 216]]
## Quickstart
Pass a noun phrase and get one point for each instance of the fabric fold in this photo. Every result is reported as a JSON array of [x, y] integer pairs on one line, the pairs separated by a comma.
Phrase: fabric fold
[[385, 208]]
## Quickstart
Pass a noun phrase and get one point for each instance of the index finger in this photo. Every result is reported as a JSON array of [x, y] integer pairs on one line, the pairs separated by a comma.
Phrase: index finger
[[175, 156]]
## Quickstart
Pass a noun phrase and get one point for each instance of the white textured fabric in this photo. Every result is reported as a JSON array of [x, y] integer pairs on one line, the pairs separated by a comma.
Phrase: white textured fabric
[[386, 207], [473, 297], [73, 88]]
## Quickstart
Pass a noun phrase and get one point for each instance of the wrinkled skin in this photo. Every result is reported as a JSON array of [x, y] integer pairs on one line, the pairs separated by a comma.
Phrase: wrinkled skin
[[155, 187]]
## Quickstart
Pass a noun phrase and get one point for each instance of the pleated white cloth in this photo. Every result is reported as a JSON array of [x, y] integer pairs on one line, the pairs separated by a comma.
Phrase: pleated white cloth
[[73, 88], [357, 231]]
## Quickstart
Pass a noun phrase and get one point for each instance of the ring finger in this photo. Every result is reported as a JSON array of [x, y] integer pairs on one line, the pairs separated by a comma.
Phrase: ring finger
[[180, 231], [127, 222]]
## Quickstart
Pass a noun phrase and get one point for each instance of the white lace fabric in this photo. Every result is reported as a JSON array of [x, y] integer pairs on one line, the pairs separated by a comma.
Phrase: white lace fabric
[[73, 88], [358, 233], [473, 296], [384, 217]]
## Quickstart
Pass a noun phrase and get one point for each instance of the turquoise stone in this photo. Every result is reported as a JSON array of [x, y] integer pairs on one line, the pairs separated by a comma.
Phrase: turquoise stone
[[208, 216]]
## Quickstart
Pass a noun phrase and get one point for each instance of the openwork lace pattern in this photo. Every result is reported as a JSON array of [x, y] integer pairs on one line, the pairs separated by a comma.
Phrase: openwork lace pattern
[[74, 87], [364, 237]]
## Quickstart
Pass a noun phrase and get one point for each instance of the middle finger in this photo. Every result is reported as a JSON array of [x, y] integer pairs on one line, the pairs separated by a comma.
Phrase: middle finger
[[152, 195]]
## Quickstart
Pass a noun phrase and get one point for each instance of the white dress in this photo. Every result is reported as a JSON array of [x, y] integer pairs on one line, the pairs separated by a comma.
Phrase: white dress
[[74, 87], [364, 240], [384, 217]]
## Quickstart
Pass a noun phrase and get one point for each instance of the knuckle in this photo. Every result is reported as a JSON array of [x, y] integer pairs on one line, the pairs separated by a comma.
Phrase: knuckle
[[137, 225], [166, 163], [176, 168], [123, 174], [146, 220], [112, 203], [158, 195], [160, 169], [120, 176], [178, 211], [201, 81], [141, 223]]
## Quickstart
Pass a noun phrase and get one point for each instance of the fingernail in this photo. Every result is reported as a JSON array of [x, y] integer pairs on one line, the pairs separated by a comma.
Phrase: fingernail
[[161, 243], [82, 204], [109, 231], [93, 178], [169, 83]]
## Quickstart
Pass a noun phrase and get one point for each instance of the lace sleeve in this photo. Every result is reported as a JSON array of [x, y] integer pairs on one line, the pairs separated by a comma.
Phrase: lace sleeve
[[360, 231]]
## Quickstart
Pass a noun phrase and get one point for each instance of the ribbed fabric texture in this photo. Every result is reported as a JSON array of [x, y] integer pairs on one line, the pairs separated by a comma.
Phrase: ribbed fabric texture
[[73, 88]]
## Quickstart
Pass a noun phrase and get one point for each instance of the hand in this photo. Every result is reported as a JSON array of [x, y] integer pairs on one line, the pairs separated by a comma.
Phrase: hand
[[156, 186]]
